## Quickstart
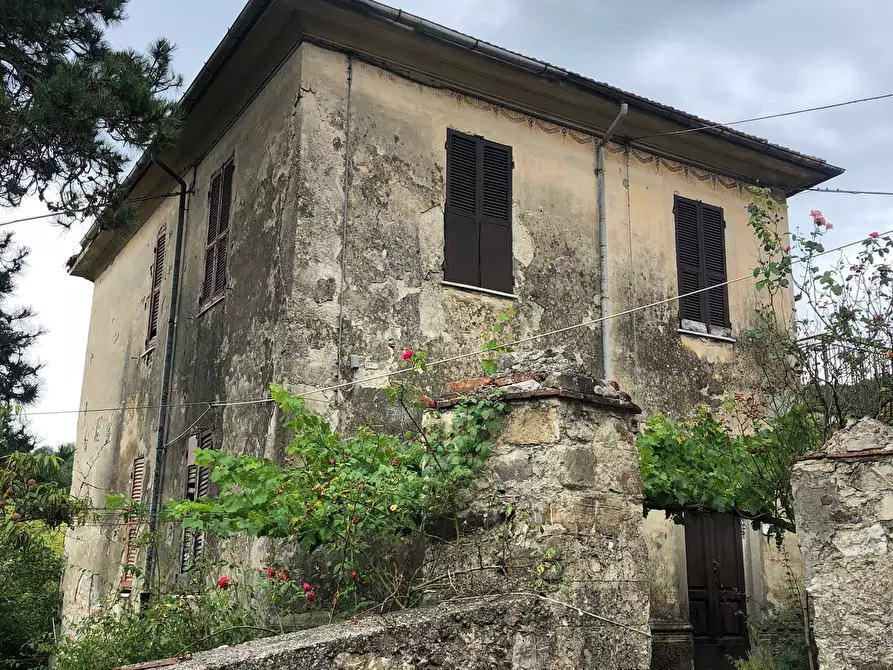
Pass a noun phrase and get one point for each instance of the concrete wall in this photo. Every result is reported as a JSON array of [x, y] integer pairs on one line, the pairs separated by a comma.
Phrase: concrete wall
[[289, 302]]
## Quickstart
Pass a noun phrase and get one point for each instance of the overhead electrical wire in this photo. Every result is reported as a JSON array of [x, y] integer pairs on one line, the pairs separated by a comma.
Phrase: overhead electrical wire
[[442, 361], [72, 212], [766, 117]]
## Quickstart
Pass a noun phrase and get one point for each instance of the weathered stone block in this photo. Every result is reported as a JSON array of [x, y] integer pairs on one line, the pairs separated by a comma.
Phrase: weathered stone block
[[843, 508], [535, 424]]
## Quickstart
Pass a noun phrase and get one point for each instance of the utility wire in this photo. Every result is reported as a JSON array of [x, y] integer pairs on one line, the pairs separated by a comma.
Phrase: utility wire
[[847, 192], [768, 116], [457, 357], [76, 211]]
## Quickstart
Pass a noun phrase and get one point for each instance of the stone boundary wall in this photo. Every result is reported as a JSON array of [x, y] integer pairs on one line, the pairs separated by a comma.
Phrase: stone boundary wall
[[549, 571], [843, 498]]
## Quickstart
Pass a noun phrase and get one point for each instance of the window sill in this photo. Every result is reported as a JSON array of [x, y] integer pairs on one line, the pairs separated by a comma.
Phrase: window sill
[[706, 336], [479, 289], [208, 306]]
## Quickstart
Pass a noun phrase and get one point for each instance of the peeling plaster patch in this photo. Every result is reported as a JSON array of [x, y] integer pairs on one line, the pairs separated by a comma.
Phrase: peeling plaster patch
[[871, 541], [432, 318], [522, 244], [711, 352]]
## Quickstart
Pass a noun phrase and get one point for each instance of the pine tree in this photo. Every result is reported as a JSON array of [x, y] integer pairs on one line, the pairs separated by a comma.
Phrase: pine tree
[[73, 110], [19, 381]]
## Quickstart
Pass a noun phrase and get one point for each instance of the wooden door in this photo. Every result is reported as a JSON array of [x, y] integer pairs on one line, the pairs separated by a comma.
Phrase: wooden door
[[716, 590]]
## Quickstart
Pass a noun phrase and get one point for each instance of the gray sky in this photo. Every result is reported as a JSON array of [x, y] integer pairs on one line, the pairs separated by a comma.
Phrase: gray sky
[[721, 59]]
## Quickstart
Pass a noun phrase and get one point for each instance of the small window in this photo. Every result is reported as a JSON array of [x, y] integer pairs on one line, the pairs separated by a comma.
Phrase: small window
[[131, 550], [701, 263], [198, 484], [155, 293], [219, 205], [478, 217]]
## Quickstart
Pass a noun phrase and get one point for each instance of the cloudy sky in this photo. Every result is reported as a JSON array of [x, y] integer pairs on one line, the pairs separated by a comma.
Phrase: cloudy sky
[[721, 59]]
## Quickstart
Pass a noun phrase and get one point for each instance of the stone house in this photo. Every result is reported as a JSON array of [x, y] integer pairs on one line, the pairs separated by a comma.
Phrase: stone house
[[353, 178]]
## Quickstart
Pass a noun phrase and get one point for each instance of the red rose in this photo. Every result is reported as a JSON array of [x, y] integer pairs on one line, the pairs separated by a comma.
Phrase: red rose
[[282, 576], [406, 355], [394, 462], [353, 574], [356, 520], [271, 572], [31, 483], [307, 587], [310, 595], [223, 582]]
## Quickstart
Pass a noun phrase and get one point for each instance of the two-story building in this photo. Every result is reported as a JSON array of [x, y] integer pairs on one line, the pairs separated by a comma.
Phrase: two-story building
[[355, 178]]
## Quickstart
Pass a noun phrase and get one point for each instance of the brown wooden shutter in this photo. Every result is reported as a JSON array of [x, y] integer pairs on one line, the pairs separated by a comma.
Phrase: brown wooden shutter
[[496, 227], [688, 259], [211, 244], [155, 295], [226, 197], [701, 262], [462, 219], [219, 209], [131, 551], [713, 234], [477, 222], [198, 485]]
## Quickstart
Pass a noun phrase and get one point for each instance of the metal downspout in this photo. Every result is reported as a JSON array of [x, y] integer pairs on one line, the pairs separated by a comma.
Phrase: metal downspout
[[345, 215], [160, 441], [603, 238]]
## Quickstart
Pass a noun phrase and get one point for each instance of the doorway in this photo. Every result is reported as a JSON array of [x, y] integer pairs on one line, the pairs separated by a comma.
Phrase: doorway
[[717, 598]]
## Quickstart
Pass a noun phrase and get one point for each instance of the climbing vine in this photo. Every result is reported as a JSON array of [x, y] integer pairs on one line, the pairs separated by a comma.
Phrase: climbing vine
[[349, 494], [823, 340]]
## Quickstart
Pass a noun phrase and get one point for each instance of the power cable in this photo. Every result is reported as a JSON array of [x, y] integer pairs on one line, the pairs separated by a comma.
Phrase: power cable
[[779, 115], [75, 211], [457, 357], [847, 192]]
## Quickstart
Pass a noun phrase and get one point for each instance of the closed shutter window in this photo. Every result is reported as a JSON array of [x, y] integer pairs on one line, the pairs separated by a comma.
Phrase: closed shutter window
[[478, 217], [701, 263], [155, 293], [219, 208], [198, 485], [131, 550]]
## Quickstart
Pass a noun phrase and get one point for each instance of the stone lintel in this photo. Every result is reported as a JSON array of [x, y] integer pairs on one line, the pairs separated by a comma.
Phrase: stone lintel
[[540, 385]]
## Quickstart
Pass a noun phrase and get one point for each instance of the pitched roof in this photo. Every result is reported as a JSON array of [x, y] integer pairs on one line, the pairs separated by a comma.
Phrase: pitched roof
[[266, 31]]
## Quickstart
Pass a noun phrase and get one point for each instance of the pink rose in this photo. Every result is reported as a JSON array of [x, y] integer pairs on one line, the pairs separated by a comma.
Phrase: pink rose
[[406, 355], [787, 249], [829, 226], [874, 235], [394, 462], [307, 587]]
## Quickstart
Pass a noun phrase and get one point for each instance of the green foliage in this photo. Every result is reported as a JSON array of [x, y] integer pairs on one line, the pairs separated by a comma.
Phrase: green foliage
[[72, 109], [29, 596], [831, 361], [835, 354], [209, 612], [703, 465], [349, 493], [494, 342]]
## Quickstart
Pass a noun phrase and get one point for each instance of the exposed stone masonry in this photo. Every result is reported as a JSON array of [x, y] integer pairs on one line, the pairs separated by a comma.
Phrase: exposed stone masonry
[[549, 572], [843, 500]]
